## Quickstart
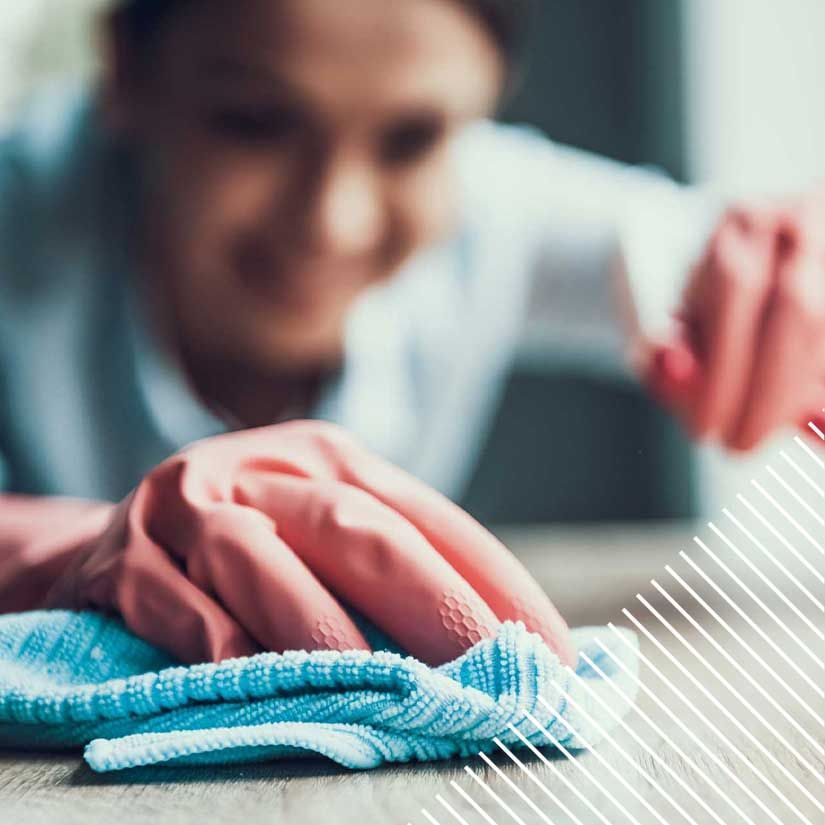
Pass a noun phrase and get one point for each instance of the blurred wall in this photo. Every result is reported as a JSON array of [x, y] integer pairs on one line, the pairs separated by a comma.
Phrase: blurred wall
[[755, 92], [755, 125], [720, 92], [606, 75], [578, 441], [41, 40]]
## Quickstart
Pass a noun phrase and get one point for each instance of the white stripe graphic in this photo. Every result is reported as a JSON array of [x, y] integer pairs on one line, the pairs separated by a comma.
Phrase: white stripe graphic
[[767, 639], [601, 759], [809, 451], [580, 766], [732, 632], [739, 696], [744, 759], [450, 809], [665, 737], [560, 775], [608, 738], [802, 473], [778, 564], [765, 580], [699, 743], [800, 529], [536, 780], [814, 658], [802, 502], [490, 792], [819, 577], [816, 430], [472, 802], [515, 787], [765, 695], [797, 520]]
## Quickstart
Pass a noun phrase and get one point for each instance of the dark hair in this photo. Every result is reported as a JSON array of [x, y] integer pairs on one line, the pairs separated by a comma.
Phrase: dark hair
[[506, 20]]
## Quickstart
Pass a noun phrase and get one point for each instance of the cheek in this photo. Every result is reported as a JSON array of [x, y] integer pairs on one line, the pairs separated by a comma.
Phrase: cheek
[[205, 192], [207, 205], [220, 197], [423, 209]]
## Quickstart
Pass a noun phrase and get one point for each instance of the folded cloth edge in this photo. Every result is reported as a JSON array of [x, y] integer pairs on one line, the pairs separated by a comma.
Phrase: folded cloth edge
[[407, 709]]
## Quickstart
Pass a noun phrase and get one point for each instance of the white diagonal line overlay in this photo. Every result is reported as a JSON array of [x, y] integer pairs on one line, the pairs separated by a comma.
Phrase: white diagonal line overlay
[[760, 602], [765, 695], [472, 802], [768, 583], [658, 730], [817, 717], [515, 788], [602, 761], [788, 546], [726, 741], [570, 785], [579, 765], [799, 528], [429, 817], [776, 563], [738, 695], [450, 809], [490, 792], [802, 474], [627, 758], [767, 639], [811, 454], [535, 780], [724, 794], [801, 501]]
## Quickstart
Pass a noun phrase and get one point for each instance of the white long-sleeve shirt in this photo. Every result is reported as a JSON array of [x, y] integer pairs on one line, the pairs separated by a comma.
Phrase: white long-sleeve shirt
[[551, 243]]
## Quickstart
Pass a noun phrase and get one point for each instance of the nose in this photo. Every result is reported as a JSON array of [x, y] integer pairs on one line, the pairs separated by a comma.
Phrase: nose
[[344, 213]]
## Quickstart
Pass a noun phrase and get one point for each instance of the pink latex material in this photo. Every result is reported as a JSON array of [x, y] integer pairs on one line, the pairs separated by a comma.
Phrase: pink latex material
[[247, 541], [748, 356]]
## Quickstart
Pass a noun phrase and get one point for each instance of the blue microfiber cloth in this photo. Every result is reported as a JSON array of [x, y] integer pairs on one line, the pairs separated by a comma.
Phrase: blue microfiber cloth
[[81, 678]]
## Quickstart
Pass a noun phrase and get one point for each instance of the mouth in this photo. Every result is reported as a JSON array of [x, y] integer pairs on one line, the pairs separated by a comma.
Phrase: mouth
[[300, 286]]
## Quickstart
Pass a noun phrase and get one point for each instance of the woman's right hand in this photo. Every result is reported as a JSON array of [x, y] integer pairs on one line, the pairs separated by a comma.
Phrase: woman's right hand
[[246, 541]]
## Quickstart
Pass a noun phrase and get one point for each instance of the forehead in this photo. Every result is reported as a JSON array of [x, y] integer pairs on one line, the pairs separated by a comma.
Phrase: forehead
[[371, 53]]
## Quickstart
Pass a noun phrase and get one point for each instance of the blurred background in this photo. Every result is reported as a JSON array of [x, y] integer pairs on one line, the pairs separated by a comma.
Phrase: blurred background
[[721, 91]]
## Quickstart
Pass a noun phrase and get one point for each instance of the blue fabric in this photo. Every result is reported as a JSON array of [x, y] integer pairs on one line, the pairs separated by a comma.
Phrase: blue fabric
[[81, 678]]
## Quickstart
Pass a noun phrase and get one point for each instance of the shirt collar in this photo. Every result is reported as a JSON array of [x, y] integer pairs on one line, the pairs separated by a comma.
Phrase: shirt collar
[[176, 411], [371, 396]]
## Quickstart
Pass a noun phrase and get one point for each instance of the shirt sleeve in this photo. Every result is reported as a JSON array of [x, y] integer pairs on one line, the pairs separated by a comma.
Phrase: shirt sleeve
[[610, 247]]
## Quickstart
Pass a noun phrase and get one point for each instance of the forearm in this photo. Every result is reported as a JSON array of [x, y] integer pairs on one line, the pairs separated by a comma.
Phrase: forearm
[[39, 537]]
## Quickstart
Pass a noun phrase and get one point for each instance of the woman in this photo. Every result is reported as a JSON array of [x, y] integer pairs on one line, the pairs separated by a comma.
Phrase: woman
[[279, 209]]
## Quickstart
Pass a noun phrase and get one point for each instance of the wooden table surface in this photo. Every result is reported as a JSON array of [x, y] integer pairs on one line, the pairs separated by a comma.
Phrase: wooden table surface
[[668, 765]]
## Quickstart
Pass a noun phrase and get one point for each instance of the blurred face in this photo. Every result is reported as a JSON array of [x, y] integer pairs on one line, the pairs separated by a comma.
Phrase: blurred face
[[295, 153]]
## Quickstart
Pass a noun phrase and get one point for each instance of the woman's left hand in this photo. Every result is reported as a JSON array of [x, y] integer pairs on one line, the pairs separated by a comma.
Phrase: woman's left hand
[[750, 353]]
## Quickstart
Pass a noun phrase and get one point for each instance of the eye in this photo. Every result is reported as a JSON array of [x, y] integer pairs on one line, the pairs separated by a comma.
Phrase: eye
[[253, 125], [412, 140]]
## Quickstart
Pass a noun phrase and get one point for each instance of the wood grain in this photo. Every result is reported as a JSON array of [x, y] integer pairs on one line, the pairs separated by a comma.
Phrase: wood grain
[[592, 573]]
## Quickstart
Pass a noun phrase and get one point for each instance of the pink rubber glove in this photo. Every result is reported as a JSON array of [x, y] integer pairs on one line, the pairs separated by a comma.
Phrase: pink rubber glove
[[244, 541], [750, 356]]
